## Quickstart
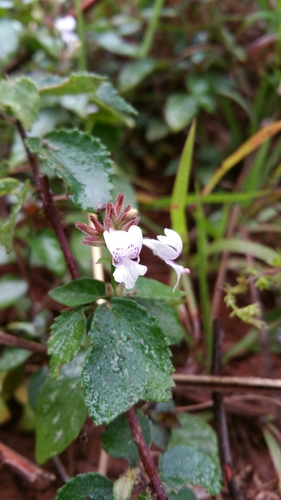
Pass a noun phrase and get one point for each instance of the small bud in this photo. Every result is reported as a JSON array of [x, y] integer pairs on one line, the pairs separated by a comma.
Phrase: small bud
[[119, 203]]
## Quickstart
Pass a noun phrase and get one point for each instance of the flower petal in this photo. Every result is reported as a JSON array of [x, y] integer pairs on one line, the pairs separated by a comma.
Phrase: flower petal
[[179, 270], [161, 249], [172, 239], [128, 272]]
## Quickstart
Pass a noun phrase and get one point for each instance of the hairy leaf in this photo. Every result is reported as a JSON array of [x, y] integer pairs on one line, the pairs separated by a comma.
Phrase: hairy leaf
[[78, 292], [20, 97], [128, 361], [82, 161], [183, 465], [90, 485], [74, 84], [60, 411], [68, 332]]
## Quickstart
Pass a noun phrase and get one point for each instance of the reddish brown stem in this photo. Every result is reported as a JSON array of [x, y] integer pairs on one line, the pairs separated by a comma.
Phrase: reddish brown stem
[[42, 184], [11, 340], [145, 454]]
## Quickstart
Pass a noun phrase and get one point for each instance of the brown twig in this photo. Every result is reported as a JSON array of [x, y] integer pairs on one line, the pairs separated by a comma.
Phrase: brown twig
[[145, 454], [221, 422], [12, 340], [257, 383], [42, 184], [22, 466]]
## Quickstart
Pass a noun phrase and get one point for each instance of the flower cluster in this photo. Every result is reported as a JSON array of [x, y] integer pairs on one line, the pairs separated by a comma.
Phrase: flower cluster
[[123, 238]]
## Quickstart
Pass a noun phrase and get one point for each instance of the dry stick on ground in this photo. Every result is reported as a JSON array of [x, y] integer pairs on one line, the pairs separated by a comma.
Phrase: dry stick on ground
[[12, 340], [221, 422], [263, 333], [255, 383], [145, 454], [47, 200]]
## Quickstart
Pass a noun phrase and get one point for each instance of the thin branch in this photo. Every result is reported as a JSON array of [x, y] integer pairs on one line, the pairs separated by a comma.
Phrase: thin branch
[[230, 382], [221, 422], [145, 454], [12, 340], [42, 184], [53, 216]]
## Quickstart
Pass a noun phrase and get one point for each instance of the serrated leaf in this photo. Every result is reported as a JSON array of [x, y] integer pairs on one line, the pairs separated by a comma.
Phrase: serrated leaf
[[151, 289], [91, 485], [7, 228], [179, 111], [8, 185], [82, 161], [122, 488], [68, 332], [167, 317], [74, 84], [108, 97], [133, 73], [60, 411], [20, 97], [128, 361], [117, 438], [46, 251], [194, 431], [183, 465], [79, 292], [12, 357]]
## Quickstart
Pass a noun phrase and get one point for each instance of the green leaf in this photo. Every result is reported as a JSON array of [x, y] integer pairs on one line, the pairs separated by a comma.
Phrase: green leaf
[[122, 488], [9, 38], [108, 98], [179, 111], [132, 74], [46, 251], [152, 289], [8, 185], [184, 494], [82, 161], [60, 411], [181, 187], [195, 432], [257, 250], [185, 464], [78, 292], [68, 332], [167, 317], [90, 485], [128, 361], [117, 438], [12, 357], [11, 290], [20, 98], [7, 227], [111, 41], [74, 84]]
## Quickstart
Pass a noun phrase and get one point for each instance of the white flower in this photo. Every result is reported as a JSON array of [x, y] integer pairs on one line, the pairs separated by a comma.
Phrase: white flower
[[168, 248], [66, 26], [125, 247]]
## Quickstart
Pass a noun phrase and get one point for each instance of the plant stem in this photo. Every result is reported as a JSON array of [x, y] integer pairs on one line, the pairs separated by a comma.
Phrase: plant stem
[[258, 383], [53, 216], [221, 422], [12, 340], [145, 454], [82, 61], [149, 35], [42, 184]]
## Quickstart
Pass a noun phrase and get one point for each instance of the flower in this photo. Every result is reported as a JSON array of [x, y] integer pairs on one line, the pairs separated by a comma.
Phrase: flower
[[168, 248], [66, 26], [125, 247]]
